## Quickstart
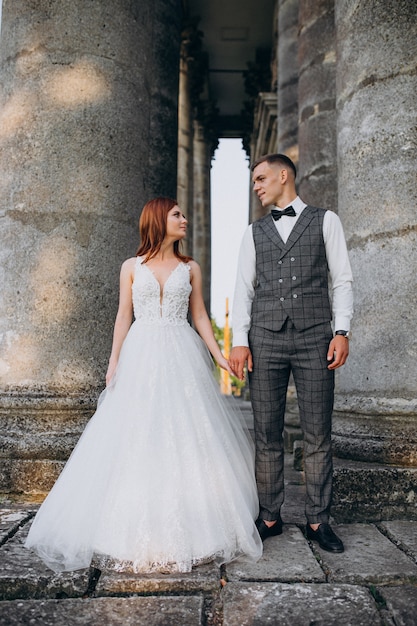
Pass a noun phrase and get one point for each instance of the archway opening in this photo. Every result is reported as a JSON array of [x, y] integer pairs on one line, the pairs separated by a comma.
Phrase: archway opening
[[229, 219]]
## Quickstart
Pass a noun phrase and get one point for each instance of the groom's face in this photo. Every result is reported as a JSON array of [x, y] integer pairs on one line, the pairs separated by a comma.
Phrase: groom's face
[[267, 183]]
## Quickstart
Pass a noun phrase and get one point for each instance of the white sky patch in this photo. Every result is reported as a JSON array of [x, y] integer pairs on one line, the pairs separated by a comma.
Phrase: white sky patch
[[230, 179]]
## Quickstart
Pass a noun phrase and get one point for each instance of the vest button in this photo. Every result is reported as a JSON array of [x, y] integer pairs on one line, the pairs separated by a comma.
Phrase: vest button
[[282, 299], [292, 258], [280, 280], [295, 295], [294, 277], [279, 262]]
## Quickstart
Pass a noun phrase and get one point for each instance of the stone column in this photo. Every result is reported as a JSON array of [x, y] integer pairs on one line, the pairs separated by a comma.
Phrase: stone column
[[201, 208], [288, 78], [376, 92], [88, 127], [317, 177], [185, 148], [161, 21]]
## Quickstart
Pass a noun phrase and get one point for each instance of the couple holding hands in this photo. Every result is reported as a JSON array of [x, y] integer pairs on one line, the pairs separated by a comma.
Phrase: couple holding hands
[[164, 476]]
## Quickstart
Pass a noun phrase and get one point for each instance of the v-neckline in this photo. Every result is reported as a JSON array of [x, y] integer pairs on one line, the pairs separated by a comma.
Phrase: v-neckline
[[161, 287]]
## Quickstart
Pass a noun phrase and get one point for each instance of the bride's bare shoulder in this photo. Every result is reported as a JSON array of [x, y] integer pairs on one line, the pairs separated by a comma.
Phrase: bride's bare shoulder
[[128, 266], [194, 265], [130, 262]]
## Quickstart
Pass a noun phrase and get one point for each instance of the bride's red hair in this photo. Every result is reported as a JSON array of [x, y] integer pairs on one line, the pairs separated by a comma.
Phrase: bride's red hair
[[153, 228]]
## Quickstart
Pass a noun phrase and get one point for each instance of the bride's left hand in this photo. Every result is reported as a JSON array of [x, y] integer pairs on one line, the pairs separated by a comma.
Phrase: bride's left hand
[[224, 364], [110, 372]]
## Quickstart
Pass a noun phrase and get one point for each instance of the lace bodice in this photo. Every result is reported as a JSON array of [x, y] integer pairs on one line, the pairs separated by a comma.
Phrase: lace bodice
[[153, 307]]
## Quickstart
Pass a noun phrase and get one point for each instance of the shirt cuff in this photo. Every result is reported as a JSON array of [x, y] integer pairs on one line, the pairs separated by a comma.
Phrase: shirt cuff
[[240, 339], [342, 323]]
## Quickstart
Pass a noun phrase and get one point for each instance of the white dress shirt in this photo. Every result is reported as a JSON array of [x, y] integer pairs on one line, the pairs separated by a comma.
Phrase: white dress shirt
[[340, 273]]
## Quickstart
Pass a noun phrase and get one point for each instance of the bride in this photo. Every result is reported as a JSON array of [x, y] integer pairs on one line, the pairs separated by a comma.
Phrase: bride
[[162, 477]]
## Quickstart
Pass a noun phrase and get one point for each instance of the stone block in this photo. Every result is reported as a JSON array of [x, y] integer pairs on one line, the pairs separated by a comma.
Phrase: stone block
[[278, 604], [115, 611], [317, 135], [390, 50], [369, 557], [317, 36], [386, 439], [24, 575], [385, 304], [371, 493], [33, 478], [11, 519], [319, 186], [403, 533], [205, 578], [401, 603], [286, 558]]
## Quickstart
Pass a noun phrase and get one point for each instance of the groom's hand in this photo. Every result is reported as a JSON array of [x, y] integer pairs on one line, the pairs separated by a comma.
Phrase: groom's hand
[[238, 357]]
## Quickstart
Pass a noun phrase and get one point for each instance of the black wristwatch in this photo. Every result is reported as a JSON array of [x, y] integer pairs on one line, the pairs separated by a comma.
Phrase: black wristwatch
[[344, 333]]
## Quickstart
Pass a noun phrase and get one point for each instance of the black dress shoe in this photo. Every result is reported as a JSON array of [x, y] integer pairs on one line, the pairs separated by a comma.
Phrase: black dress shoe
[[268, 531], [325, 537]]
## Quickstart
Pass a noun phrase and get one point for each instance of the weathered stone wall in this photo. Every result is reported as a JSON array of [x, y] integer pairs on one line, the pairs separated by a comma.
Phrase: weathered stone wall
[[185, 148], [88, 133], [201, 222], [317, 177], [195, 146], [377, 197], [288, 78]]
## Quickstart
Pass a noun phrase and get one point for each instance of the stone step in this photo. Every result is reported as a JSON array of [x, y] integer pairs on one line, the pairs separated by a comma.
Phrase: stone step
[[373, 582], [153, 611], [371, 492]]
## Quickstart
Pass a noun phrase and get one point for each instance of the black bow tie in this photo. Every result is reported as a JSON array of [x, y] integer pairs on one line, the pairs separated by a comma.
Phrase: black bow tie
[[278, 214]]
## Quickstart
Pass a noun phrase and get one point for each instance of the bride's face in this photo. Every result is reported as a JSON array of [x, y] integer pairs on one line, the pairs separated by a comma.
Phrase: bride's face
[[176, 223]]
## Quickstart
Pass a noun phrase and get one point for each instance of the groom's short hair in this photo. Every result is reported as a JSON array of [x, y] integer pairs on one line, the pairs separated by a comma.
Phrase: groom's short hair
[[275, 158]]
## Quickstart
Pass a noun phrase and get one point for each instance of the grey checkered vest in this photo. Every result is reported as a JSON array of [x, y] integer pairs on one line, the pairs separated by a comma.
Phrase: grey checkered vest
[[291, 277]]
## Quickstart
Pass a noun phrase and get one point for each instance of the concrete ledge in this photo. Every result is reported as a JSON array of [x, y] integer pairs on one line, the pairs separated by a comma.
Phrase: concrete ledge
[[29, 477], [390, 439], [37, 435], [370, 493]]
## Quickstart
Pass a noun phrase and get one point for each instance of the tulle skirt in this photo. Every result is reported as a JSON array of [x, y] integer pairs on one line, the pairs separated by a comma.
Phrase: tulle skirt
[[162, 478]]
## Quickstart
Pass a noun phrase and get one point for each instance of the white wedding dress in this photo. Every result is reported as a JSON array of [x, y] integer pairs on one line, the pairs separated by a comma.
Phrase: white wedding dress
[[162, 478]]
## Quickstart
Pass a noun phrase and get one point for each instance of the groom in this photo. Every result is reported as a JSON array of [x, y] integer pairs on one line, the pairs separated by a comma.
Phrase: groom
[[281, 325]]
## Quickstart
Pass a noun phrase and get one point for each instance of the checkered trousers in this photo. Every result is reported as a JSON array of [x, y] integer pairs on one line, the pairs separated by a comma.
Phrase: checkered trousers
[[275, 355]]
